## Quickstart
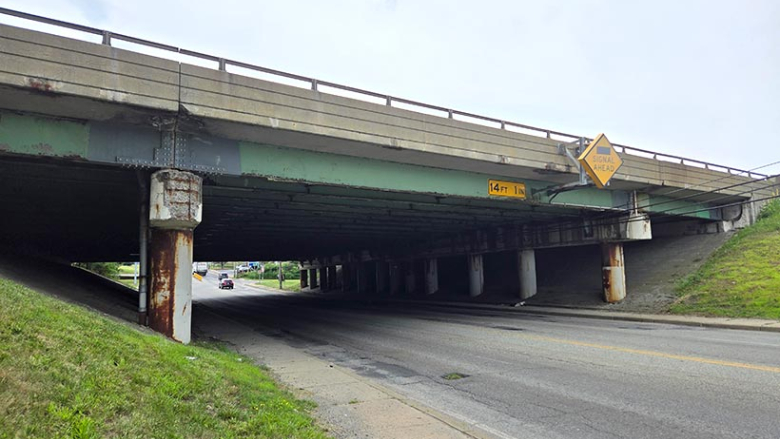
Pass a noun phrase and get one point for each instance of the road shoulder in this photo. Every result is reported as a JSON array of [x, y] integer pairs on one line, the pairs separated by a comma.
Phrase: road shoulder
[[349, 405]]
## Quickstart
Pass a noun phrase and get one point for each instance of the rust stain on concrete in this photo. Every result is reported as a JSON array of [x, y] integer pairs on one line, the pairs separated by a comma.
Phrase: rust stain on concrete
[[162, 252]]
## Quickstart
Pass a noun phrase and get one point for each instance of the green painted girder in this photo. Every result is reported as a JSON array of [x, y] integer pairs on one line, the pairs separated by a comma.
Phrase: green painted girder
[[299, 170]]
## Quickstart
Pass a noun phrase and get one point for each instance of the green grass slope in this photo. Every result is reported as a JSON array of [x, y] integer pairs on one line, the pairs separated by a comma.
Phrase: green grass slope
[[742, 278], [66, 372]]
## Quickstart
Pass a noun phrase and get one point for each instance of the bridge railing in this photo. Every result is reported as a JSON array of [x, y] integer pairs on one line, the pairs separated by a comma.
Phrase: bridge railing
[[316, 84]]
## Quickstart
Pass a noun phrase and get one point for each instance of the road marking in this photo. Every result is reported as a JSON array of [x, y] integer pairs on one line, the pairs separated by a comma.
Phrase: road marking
[[655, 354]]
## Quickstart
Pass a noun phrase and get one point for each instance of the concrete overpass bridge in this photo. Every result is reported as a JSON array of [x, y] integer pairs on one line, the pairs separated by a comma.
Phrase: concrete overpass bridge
[[370, 192]]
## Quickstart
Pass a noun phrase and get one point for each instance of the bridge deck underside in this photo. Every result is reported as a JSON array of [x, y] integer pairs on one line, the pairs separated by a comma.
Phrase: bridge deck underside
[[79, 211]]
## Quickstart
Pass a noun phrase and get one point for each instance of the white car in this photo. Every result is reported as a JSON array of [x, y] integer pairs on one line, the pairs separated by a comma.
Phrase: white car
[[243, 268]]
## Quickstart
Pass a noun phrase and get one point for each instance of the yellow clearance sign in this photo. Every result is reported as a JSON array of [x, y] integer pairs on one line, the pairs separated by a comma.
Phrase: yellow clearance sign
[[600, 161], [506, 189]]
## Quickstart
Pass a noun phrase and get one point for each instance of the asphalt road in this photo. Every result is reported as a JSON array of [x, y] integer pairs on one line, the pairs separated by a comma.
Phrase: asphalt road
[[535, 376]]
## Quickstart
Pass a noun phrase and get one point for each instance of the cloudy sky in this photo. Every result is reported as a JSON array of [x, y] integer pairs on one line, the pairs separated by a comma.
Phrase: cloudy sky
[[694, 78]]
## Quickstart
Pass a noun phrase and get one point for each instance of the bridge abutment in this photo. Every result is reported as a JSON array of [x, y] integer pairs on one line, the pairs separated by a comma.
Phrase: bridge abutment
[[175, 210]]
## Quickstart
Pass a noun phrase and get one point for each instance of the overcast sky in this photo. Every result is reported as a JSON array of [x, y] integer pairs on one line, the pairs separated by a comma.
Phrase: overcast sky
[[693, 78]]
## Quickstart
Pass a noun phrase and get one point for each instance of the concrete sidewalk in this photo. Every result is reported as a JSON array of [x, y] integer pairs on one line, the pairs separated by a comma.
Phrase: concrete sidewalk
[[349, 405], [707, 322]]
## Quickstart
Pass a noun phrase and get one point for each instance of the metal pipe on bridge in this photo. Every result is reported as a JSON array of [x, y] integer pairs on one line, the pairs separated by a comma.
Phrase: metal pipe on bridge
[[143, 256]]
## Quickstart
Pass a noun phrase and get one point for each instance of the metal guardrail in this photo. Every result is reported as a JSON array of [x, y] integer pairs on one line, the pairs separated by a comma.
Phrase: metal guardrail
[[223, 63]]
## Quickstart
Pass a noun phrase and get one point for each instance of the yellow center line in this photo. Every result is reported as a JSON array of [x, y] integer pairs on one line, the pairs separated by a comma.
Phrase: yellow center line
[[654, 353]]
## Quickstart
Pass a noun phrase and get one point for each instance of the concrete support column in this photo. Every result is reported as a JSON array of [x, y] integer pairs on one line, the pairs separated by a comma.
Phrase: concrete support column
[[324, 278], [313, 284], [304, 278], [526, 261], [175, 209], [341, 272], [395, 278], [362, 279], [346, 280], [476, 275], [382, 273], [332, 278], [613, 273], [431, 276], [409, 280]]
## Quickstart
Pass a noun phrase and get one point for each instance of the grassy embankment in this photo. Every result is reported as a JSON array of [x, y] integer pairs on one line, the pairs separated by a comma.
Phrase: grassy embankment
[[289, 284], [742, 278], [67, 372], [126, 269]]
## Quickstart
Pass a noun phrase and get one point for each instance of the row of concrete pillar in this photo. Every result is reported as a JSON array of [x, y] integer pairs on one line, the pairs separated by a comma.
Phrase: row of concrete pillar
[[391, 276], [175, 208]]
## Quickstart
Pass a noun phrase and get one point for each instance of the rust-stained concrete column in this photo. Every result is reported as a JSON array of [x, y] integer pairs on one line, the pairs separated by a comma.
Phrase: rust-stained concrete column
[[175, 209], [613, 273], [304, 278], [526, 261], [476, 275], [431, 276]]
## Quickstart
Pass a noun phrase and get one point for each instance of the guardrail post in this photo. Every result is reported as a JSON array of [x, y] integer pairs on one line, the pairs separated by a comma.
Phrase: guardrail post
[[314, 84], [222, 65], [107, 38]]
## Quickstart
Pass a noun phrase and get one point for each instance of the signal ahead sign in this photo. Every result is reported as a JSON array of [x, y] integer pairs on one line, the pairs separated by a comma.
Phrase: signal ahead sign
[[600, 161]]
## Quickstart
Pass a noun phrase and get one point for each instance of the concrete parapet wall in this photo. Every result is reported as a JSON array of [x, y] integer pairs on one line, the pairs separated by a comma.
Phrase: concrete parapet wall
[[56, 65], [244, 108]]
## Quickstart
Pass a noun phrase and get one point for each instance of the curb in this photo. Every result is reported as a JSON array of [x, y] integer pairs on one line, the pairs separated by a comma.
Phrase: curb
[[702, 322]]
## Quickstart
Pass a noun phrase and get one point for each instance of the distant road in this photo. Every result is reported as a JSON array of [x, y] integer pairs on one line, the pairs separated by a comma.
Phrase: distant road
[[537, 376]]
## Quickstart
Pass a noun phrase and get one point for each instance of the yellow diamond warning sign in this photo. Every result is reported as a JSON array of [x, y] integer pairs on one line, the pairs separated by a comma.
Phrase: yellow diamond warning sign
[[600, 161]]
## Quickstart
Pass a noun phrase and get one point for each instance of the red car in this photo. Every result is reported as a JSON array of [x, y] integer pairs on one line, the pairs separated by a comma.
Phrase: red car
[[226, 283]]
